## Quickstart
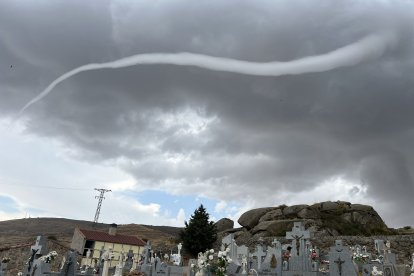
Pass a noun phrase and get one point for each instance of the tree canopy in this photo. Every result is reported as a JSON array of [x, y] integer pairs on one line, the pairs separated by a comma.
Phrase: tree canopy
[[199, 234]]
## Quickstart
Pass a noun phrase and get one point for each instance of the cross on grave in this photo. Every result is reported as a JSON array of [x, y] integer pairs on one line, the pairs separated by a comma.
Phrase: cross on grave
[[147, 253], [40, 246], [69, 267], [34, 270], [339, 263], [259, 254], [37, 250], [229, 242], [129, 260], [32, 258], [298, 235], [275, 243], [379, 246]]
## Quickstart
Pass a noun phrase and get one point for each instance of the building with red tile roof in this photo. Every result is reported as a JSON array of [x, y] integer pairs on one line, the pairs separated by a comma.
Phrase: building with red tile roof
[[92, 243]]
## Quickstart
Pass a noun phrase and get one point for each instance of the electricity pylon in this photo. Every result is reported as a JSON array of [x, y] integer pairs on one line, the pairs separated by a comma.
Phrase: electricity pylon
[[100, 197]]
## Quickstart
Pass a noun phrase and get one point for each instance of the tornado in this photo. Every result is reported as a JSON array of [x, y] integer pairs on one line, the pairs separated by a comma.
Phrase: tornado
[[367, 48]]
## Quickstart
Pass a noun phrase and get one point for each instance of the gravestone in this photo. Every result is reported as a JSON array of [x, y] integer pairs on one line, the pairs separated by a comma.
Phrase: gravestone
[[36, 251], [70, 266], [273, 260], [229, 242], [299, 237], [299, 261], [340, 261], [259, 254], [386, 265], [3, 267], [242, 252], [129, 261], [145, 263], [40, 267], [107, 256], [233, 269], [379, 246], [147, 253]]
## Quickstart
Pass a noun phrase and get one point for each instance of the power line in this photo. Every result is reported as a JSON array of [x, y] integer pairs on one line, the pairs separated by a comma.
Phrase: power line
[[100, 197]]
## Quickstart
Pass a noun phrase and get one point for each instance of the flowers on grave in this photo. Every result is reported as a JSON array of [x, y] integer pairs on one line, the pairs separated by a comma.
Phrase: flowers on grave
[[5, 260], [375, 271], [203, 261], [286, 255], [222, 262], [20, 273], [359, 257], [313, 255], [49, 257], [207, 262]]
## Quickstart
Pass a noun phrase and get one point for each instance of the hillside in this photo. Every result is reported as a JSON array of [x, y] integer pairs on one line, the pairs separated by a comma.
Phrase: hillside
[[21, 231]]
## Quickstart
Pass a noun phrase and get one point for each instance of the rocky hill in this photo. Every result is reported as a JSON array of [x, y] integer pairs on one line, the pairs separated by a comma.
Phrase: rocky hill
[[323, 219], [332, 218]]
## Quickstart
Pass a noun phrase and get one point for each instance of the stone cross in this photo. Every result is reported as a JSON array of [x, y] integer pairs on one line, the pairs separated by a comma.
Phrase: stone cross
[[69, 267], [40, 246], [259, 254], [298, 235], [358, 249], [147, 253], [228, 241], [339, 263], [276, 243], [37, 250], [107, 257], [179, 246], [129, 260], [244, 264], [3, 268], [379, 246], [242, 251], [340, 258]]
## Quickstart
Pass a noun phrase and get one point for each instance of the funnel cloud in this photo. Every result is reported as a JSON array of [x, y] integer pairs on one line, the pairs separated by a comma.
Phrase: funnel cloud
[[370, 47]]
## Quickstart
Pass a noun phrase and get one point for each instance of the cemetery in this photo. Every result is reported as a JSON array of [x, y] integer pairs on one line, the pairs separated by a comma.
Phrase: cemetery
[[297, 257]]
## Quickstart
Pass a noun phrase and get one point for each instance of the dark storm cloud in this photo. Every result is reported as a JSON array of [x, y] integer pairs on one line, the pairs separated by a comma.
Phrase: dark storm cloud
[[226, 135]]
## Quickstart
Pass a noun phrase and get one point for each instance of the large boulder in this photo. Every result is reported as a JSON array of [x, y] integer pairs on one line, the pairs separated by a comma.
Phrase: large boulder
[[292, 211], [274, 228], [308, 213], [272, 215], [329, 206], [361, 207], [331, 218], [252, 217], [224, 224]]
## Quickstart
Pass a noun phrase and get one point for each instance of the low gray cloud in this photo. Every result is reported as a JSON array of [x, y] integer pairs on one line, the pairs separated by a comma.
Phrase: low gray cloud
[[224, 135]]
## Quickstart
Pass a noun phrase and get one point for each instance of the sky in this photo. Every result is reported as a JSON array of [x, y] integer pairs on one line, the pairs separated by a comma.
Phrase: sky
[[231, 104]]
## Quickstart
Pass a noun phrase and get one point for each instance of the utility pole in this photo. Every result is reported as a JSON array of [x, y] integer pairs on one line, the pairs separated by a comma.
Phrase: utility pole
[[100, 197]]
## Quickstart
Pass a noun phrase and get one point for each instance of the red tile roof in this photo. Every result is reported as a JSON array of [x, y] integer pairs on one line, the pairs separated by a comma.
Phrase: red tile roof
[[105, 237]]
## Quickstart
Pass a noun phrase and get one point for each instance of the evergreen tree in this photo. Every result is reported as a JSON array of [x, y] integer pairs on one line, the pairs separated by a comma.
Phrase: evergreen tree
[[199, 234]]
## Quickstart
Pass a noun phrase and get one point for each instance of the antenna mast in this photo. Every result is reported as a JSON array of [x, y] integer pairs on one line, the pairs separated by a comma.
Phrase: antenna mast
[[100, 197]]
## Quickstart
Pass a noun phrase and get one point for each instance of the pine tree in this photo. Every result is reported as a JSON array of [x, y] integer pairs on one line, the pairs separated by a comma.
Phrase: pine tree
[[199, 233]]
